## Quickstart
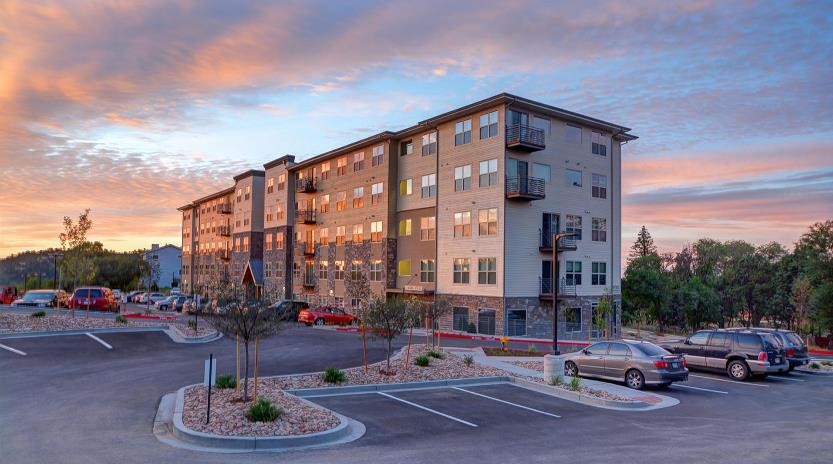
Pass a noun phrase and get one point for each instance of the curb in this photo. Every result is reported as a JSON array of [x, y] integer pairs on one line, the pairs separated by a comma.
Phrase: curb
[[166, 329], [347, 431], [813, 372], [379, 387], [575, 397], [178, 337]]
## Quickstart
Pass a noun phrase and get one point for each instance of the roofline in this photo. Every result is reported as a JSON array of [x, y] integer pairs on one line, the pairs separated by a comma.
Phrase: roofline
[[285, 159], [212, 196], [381, 136], [249, 173], [167, 245]]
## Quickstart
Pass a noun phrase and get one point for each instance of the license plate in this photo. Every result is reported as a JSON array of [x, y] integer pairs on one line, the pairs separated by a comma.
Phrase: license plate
[[777, 360], [675, 365]]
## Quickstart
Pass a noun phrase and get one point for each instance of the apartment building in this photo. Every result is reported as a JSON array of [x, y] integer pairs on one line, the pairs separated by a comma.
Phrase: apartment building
[[463, 205]]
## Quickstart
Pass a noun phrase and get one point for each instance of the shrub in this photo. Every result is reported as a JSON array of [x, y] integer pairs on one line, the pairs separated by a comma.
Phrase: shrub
[[815, 365], [468, 360], [556, 381], [226, 381], [435, 354], [39, 314], [575, 384], [121, 319], [531, 349], [827, 363], [192, 325], [333, 375], [263, 411], [422, 361]]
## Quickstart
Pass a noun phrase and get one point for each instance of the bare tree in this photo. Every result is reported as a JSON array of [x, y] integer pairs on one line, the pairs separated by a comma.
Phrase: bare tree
[[389, 318], [436, 310], [358, 287]]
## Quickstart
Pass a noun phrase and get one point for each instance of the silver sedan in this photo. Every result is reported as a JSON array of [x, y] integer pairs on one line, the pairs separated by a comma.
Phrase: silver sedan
[[636, 363]]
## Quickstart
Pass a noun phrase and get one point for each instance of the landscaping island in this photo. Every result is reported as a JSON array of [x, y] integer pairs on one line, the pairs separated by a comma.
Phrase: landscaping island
[[39, 321]]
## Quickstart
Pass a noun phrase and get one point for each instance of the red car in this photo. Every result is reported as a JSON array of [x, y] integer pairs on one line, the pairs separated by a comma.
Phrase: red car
[[322, 316], [7, 295], [98, 299]]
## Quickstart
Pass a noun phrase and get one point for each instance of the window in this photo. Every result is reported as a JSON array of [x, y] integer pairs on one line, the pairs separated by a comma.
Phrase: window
[[487, 271], [281, 182], [248, 192], [340, 233], [279, 268], [270, 185], [324, 236], [461, 270], [376, 271], [246, 244], [267, 242], [406, 148], [488, 173], [325, 170], [462, 132], [572, 134], [269, 214], [598, 146], [573, 273], [405, 228], [573, 225], [404, 268], [599, 189], [341, 201], [358, 161], [245, 219], [598, 273], [429, 144], [376, 231], [239, 198], [487, 221], [426, 270], [462, 178], [279, 213], [279, 240], [378, 156], [338, 273], [341, 166], [486, 321], [573, 177], [429, 185], [720, 339], [541, 171], [572, 316], [355, 269], [358, 233], [599, 233], [406, 187], [428, 228], [358, 197], [488, 125], [376, 191], [322, 269], [542, 123], [325, 203], [462, 224], [700, 338]]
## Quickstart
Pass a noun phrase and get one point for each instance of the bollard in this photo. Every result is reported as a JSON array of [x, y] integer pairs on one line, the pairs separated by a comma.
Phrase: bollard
[[553, 367]]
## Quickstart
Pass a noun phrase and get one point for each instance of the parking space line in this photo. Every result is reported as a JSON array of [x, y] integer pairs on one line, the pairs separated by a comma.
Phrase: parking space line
[[776, 377], [106, 345], [419, 406], [730, 381], [700, 388], [12, 350], [508, 402]]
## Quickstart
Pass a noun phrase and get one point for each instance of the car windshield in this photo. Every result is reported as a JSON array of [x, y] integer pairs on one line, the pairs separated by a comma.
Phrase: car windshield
[[649, 349], [31, 296]]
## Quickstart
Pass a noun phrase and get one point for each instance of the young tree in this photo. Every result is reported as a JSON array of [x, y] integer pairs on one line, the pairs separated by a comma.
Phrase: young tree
[[436, 310], [604, 308], [643, 246], [389, 318], [358, 287], [78, 264]]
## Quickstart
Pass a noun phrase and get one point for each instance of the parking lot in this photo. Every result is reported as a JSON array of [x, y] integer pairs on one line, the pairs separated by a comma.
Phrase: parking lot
[[96, 397]]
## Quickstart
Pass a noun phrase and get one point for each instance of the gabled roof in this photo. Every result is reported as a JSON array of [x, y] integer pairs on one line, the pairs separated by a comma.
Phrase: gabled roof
[[253, 270]]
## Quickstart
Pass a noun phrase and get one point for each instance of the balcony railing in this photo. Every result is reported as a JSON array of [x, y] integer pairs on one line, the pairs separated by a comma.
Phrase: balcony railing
[[523, 137], [307, 248], [564, 290], [307, 185], [525, 188], [224, 208], [305, 216], [545, 242], [225, 255], [224, 231], [308, 279]]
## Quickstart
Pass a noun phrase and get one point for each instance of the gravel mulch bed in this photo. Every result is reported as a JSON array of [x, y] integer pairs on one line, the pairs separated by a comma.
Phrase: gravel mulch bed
[[821, 367], [189, 332], [539, 366], [534, 365], [13, 323]]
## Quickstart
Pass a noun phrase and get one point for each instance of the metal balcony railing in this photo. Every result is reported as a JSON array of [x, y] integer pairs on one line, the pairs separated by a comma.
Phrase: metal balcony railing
[[564, 290], [524, 137], [305, 216], [224, 231], [525, 188], [545, 242], [306, 185], [224, 208]]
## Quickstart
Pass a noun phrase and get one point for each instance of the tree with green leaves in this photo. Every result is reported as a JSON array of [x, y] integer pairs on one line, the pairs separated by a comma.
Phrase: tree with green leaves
[[701, 305], [645, 289], [815, 253], [643, 246], [601, 315], [389, 318]]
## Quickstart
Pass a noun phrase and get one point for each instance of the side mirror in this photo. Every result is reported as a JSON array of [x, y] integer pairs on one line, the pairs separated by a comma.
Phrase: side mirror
[[585, 351], [687, 342]]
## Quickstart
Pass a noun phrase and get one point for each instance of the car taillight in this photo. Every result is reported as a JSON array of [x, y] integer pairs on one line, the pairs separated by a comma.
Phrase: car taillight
[[661, 364], [790, 352], [684, 363], [762, 356]]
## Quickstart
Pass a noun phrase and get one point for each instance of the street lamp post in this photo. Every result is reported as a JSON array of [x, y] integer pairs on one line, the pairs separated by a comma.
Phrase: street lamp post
[[555, 238]]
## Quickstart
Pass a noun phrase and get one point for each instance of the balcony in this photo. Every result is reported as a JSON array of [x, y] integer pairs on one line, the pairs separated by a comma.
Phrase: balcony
[[225, 255], [224, 231], [545, 243], [524, 138], [305, 216], [307, 248], [564, 290], [224, 208], [306, 185], [525, 188], [308, 280]]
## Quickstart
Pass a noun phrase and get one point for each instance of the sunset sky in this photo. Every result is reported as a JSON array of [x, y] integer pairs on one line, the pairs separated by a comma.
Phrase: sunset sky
[[135, 108]]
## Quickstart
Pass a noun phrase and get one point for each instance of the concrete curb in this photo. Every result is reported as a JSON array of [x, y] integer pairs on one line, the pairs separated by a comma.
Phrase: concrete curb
[[589, 400], [171, 332], [813, 372], [179, 337], [379, 387], [347, 431]]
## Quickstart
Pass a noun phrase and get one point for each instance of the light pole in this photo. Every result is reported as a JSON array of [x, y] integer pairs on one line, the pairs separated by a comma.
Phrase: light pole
[[555, 240]]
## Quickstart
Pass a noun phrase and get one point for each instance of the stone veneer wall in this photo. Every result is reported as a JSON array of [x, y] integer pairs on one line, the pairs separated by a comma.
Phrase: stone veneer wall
[[539, 316], [474, 303]]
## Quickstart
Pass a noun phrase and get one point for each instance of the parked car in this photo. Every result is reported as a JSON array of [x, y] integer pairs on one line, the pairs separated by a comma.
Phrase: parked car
[[636, 363], [7, 295], [154, 297], [137, 297], [738, 353], [128, 297], [289, 309], [175, 291], [164, 304], [42, 299], [179, 302], [117, 294], [326, 315], [794, 347], [96, 298]]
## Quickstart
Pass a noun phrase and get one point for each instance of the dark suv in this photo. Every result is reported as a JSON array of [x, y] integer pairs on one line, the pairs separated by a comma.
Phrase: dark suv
[[738, 353], [796, 350], [289, 310]]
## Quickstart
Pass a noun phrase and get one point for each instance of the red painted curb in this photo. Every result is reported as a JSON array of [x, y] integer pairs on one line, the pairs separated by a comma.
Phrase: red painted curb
[[821, 352], [488, 338]]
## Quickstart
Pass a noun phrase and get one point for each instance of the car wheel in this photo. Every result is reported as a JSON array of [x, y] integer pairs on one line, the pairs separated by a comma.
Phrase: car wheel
[[790, 369], [635, 379], [570, 369], [737, 370], [319, 321]]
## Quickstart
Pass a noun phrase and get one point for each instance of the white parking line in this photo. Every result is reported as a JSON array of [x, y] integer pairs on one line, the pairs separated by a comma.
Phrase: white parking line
[[700, 388], [427, 409], [106, 345], [730, 381], [776, 377], [509, 403], [12, 350]]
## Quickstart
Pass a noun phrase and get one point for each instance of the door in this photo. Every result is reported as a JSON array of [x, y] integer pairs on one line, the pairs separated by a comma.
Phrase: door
[[593, 360], [516, 117], [617, 360], [718, 348], [549, 227], [695, 349], [546, 277]]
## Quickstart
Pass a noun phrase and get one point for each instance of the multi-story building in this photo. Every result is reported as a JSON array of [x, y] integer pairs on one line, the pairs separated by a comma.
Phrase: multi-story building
[[464, 205], [165, 265]]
